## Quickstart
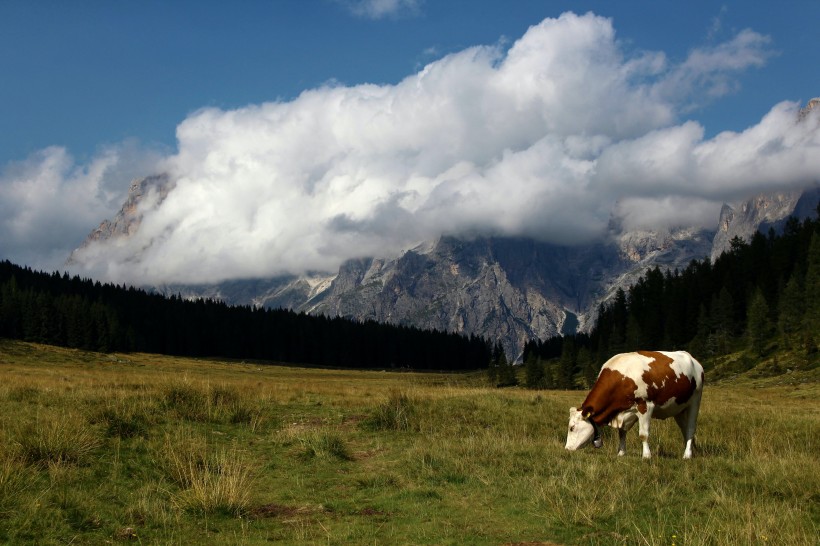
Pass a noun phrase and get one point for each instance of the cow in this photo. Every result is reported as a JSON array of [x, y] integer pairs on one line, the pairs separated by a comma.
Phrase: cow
[[637, 387]]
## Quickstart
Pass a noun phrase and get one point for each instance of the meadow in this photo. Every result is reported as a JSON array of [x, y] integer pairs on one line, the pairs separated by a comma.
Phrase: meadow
[[117, 448]]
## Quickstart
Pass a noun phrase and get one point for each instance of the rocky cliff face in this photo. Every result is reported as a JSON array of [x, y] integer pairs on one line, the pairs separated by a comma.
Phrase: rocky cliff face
[[513, 290], [143, 192], [811, 105], [473, 287], [762, 212], [745, 218]]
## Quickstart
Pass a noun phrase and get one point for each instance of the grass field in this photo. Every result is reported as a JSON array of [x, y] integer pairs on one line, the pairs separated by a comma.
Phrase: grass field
[[149, 449]]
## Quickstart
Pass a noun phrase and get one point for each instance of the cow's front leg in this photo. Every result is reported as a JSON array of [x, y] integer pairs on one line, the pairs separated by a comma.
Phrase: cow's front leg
[[643, 431], [621, 442]]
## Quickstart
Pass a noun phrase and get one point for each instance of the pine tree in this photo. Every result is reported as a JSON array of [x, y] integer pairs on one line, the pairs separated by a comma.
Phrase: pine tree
[[506, 372], [634, 335], [534, 376], [589, 368], [791, 309], [722, 321], [811, 317], [565, 368], [758, 324], [495, 362], [618, 312], [699, 343]]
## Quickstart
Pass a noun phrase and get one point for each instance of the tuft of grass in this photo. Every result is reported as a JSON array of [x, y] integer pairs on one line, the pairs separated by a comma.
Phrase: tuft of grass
[[213, 404], [23, 394], [126, 417], [224, 396], [398, 413], [187, 401], [324, 445], [57, 439], [209, 482], [14, 478]]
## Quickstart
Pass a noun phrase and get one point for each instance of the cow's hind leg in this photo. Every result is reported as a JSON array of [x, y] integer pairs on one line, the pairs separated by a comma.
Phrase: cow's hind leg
[[688, 421], [682, 419], [622, 441], [643, 431]]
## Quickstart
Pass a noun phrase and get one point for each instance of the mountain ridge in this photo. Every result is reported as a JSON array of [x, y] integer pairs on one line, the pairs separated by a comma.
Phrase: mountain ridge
[[510, 289]]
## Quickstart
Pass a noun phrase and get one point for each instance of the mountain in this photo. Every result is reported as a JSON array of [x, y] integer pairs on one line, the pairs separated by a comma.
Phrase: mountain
[[507, 289], [760, 213], [141, 193]]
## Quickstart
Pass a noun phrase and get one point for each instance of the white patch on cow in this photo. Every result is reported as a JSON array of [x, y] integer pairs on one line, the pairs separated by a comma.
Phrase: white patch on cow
[[633, 366]]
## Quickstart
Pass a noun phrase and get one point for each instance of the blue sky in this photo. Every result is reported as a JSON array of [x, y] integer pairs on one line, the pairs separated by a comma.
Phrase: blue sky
[[83, 74], [94, 93]]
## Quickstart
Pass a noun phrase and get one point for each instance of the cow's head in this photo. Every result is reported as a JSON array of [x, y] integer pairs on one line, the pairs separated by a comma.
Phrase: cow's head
[[581, 431]]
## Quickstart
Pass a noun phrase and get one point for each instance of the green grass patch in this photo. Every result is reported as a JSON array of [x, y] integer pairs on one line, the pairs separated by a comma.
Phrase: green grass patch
[[55, 439], [159, 450]]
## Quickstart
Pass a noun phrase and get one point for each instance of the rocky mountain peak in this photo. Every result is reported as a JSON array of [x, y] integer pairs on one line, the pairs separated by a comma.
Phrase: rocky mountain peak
[[811, 105], [141, 191], [745, 218]]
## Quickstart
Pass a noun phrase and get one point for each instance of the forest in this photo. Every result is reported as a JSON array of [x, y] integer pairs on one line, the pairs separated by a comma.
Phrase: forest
[[57, 309], [761, 298]]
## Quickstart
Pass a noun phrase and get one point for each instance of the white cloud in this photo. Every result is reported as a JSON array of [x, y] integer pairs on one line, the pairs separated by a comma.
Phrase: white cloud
[[379, 9], [708, 73], [545, 139], [48, 203]]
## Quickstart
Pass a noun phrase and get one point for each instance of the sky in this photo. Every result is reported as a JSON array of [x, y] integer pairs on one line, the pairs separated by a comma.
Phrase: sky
[[299, 134]]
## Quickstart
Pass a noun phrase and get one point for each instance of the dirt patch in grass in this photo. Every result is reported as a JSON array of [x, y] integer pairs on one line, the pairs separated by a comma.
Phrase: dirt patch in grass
[[274, 510], [531, 544], [125, 534], [370, 512]]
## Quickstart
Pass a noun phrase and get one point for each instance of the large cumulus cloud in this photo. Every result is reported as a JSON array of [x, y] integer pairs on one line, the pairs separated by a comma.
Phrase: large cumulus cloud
[[545, 139]]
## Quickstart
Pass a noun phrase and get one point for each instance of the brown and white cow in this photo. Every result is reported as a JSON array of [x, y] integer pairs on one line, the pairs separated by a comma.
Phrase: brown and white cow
[[637, 387]]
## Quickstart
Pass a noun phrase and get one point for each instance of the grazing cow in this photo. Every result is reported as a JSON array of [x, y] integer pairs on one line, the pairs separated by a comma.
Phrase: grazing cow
[[636, 387]]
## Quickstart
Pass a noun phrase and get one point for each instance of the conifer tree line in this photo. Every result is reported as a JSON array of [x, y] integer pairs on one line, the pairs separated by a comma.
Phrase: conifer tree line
[[758, 298], [80, 313]]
